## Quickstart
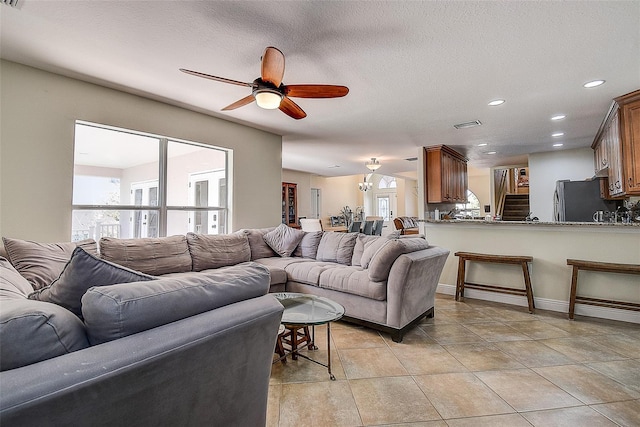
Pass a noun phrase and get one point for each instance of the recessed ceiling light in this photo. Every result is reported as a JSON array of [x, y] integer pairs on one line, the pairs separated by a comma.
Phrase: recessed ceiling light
[[496, 102], [484, 144], [558, 117], [491, 152], [593, 83], [558, 144], [557, 134]]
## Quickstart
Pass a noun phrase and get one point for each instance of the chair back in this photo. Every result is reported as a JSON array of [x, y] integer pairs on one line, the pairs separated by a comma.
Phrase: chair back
[[368, 227], [310, 224], [377, 227], [355, 227]]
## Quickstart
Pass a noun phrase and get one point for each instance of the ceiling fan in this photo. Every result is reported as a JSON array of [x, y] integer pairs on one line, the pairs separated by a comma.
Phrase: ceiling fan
[[268, 90]]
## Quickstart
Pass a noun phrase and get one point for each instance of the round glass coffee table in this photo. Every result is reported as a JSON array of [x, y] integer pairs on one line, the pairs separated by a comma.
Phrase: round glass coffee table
[[302, 311]]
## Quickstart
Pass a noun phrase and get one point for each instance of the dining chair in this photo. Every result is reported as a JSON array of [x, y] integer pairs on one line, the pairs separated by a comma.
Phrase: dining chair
[[368, 227], [310, 224], [355, 227], [377, 227]]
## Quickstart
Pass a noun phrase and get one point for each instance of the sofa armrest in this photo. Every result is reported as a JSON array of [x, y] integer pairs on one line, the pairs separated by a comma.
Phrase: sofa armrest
[[208, 369], [412, 284]]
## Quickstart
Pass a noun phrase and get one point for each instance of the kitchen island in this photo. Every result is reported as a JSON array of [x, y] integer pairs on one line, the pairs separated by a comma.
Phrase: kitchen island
[[550, 244]]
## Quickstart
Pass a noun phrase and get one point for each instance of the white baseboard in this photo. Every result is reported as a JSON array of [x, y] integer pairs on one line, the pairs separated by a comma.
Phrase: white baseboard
[[546, 304]]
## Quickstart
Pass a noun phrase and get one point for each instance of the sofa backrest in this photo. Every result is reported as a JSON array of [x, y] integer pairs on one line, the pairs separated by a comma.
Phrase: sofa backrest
[[154, 256]]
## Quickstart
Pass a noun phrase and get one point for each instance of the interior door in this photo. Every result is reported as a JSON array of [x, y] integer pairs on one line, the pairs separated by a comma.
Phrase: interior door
[[385, 207]]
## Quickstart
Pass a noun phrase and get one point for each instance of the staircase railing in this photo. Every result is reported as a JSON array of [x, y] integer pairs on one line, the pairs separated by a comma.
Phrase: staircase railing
[[501, 192]]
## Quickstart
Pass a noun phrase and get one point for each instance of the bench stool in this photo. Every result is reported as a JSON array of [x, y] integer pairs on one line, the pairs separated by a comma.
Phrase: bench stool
[[606, 267], [499, 259]]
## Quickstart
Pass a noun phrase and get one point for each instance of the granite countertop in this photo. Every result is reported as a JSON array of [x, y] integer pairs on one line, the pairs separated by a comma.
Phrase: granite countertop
[[530, 223]]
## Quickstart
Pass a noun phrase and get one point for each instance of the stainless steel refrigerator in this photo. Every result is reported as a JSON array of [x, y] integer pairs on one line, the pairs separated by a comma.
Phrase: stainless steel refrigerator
[[578, 200]]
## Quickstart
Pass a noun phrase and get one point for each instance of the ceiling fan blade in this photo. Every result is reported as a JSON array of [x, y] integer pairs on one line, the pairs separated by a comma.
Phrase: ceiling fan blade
[[315, 91], [272, 66], [292, 109], [218, 79], [244, 101]]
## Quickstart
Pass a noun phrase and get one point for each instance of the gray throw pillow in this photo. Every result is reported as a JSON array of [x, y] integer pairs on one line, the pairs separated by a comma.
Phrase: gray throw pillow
[[284, 239], [215, 251], [358, 249], [81, 273], [337, 247], [42, 263], [259, 248], [383, 259], [32, 331], [308, 246], [151, 255]]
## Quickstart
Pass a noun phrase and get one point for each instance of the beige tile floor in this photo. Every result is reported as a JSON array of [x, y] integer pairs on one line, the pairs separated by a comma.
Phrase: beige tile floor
[[475, 364]]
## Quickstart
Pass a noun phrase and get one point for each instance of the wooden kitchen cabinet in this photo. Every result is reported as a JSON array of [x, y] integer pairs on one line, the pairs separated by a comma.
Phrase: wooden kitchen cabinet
[[630, 129], [446, 175], [290, 204], [617, 147]]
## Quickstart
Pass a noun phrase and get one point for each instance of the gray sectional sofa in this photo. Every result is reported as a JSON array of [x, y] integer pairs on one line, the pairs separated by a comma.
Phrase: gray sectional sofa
[[181, 330], [385, 283]]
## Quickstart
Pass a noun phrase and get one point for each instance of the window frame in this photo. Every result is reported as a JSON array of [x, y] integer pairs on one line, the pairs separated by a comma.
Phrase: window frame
[[163, 163]]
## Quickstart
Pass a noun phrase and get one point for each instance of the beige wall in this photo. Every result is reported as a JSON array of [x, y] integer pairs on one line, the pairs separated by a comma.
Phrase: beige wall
[[480, 184], [550, 246], [38, 112]]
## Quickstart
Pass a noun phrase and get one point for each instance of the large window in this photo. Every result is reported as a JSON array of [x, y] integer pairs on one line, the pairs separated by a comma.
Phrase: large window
[[130, 185]]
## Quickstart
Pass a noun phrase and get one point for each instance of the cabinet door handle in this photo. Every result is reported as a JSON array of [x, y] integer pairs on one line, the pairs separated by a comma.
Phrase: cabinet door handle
[[618, 184]]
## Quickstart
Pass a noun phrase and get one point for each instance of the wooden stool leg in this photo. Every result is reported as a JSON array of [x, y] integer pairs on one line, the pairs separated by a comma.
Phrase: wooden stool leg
[[460, 281], [572, 295], [527, 285]]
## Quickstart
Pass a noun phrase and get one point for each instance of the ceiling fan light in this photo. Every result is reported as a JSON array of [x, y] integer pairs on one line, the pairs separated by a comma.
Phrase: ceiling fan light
[[269, 100]]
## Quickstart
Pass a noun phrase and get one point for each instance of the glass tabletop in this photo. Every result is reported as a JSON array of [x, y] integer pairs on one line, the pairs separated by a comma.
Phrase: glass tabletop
[[305, 309]]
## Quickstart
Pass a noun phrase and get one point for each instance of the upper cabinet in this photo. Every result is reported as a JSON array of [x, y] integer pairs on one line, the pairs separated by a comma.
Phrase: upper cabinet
[[446, 175], [617, 147]]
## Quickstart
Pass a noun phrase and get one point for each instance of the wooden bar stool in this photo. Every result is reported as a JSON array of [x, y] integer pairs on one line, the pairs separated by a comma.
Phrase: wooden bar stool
[[499, 259], [295, 337], [606, 267]]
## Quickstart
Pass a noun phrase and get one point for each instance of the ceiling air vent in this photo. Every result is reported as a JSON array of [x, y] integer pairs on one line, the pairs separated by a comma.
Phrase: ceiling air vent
[[467, 124], [411, 159], [12, 3]]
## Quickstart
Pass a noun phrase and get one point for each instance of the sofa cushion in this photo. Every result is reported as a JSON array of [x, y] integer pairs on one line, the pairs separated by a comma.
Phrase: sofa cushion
[[309, 272], [283, 239], [277, 265], [308, 247], [337, 247], [82, 272], [218, 250], [151, 255], [353, 280], [381, 262], [42, 263], [112, 312], [259, 248], [32, 331], [12, 284], [358, 249]]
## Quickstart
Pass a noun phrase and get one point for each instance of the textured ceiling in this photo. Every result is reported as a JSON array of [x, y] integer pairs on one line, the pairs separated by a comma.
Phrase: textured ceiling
[[414, 68]]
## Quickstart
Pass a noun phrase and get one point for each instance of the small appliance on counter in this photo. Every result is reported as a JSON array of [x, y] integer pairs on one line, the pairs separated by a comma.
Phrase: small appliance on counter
[[578, 201]]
